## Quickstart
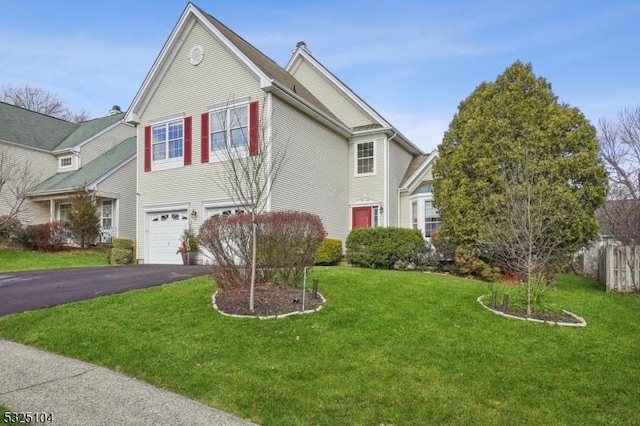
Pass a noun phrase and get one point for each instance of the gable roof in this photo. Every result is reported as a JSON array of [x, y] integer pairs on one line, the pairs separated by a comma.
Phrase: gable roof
[[88, 129], [31, 129], [417, 169], [272, 77], [90, 173], [302, 53]]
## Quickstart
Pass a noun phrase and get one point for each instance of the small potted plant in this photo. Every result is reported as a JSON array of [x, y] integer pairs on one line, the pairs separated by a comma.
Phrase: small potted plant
[[188, 247]]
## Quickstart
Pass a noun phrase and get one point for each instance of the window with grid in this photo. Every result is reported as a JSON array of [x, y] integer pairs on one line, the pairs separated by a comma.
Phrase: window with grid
[[230, 128], [167, 140], [107, 214], [431, 218], [66, 161], [365, 158]]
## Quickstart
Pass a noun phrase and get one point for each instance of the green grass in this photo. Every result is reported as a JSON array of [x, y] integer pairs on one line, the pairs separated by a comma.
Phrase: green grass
[[12, 260], [389, 348]]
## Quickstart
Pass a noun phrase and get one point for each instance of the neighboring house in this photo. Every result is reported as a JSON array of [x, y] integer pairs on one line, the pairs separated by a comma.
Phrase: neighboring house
[[208, 87], [63, 156]]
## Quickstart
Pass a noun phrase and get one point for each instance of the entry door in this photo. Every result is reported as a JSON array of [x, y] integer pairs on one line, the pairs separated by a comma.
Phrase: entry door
[[361, 217]]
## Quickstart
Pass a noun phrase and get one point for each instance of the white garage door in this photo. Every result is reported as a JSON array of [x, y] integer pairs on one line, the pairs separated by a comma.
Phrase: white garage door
[[207, 258], [165, 230]]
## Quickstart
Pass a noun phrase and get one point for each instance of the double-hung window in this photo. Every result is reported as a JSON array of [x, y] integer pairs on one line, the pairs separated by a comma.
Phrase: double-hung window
[[229, 129], [167, 141], [365, 158], [431, 218]]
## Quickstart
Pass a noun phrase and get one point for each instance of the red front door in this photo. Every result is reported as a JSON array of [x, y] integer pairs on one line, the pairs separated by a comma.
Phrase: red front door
[[360, 217]]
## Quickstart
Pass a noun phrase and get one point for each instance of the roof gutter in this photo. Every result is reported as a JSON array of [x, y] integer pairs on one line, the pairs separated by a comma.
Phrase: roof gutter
[[309, 109]]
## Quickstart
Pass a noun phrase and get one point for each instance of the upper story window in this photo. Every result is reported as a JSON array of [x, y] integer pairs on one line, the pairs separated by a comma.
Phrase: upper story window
[[167, 141], [66, 162], [365, 158], [229, 128]]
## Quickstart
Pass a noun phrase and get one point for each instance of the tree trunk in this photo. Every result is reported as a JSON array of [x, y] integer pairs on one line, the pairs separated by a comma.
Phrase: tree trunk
[[254, 256]]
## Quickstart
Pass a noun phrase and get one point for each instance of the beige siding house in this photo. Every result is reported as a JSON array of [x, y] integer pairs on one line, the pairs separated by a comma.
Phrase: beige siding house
[[208, 89], [63, 156]]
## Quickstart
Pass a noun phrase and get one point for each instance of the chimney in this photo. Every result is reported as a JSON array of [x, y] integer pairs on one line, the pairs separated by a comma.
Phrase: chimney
[[301, 45], [115, 110]]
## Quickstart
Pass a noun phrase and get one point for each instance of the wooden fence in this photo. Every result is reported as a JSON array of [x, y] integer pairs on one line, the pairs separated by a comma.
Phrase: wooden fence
[[619, 268]]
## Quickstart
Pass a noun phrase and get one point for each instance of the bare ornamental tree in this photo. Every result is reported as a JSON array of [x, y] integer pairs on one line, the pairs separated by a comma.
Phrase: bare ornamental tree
[[42, 101], [241, 139]]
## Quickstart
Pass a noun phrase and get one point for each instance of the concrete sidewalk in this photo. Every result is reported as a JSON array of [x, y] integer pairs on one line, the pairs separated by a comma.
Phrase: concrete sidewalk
[[78, 393]]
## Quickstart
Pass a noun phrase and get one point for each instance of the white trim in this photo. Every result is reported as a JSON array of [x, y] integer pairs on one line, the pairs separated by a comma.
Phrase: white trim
[[95, 136], [169, 51], [219, 155], [386, 172], [66, 157], [355, 158], [413, 180], [303, 53], [21, 146], [167, 118], [233, 102], [268, 105], [167, 162]]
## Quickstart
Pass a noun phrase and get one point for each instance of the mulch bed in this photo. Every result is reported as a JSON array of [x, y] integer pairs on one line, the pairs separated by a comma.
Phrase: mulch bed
[[270, 300], [545, 316]]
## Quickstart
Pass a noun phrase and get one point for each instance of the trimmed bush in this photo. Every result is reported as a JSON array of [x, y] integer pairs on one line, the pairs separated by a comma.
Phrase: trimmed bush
[[123, 243], [469, 261], [287, 243], [120, 256], [385, 248], [329, 252]]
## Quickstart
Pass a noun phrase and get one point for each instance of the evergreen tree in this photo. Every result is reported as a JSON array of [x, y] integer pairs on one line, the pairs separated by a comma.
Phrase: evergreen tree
[[83, 217], [519, 169]]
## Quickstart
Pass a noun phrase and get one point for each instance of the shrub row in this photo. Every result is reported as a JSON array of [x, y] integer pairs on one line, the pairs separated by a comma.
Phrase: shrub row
[[385, 248], [329, 252]]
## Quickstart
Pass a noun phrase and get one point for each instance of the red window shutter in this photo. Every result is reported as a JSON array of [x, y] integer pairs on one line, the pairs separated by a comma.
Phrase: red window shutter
[[204, 138], [147, 149], [253, 128], [187, 141]]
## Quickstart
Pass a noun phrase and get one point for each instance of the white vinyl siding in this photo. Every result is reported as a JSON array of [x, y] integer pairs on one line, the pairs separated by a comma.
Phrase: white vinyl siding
[[42, 165], [121, 185], [337, 102], [316, 171], [190, 91], [367, 188], [399, 160], [101, 144]]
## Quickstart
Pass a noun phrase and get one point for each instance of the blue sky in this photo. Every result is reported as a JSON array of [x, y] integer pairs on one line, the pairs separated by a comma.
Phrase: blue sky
[[413, 61]]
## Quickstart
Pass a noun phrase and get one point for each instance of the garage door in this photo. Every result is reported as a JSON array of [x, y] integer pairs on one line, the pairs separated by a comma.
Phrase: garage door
[[165, 230], [224, 211]]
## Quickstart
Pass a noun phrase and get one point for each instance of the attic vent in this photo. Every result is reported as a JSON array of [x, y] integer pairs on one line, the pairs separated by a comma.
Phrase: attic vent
[[196, 54]]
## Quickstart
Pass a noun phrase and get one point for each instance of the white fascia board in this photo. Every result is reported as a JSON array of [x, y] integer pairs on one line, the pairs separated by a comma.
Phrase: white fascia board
[[293, 99], [304, 54], [169, 51], [414, 180], [27, 147], [108, 173], [86, 141]]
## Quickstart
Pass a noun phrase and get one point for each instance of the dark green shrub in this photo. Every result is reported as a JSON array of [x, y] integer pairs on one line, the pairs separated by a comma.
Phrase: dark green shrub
[[385, 248], [329, 252], [123, 243], [121, 256]]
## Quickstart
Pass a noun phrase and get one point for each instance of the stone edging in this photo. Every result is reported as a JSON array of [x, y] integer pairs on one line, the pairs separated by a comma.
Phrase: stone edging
[[582, 322], [213, 300]]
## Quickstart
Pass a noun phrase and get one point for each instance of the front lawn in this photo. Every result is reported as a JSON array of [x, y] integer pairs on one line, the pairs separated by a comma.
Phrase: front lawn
[[12, 260], [388, 348]]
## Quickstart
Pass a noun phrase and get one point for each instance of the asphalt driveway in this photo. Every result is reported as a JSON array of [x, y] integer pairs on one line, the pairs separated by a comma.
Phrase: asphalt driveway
[[26, 291]]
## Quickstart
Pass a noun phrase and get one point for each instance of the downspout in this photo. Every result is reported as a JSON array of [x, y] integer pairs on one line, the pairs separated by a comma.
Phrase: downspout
[[137, 215], [387, 177], [269, 146]]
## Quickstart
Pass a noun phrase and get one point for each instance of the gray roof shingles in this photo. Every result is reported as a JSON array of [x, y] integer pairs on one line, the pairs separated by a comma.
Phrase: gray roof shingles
[[91, 172]]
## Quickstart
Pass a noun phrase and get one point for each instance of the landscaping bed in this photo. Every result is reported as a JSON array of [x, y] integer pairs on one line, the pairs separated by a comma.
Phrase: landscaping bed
[[270, 300]]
